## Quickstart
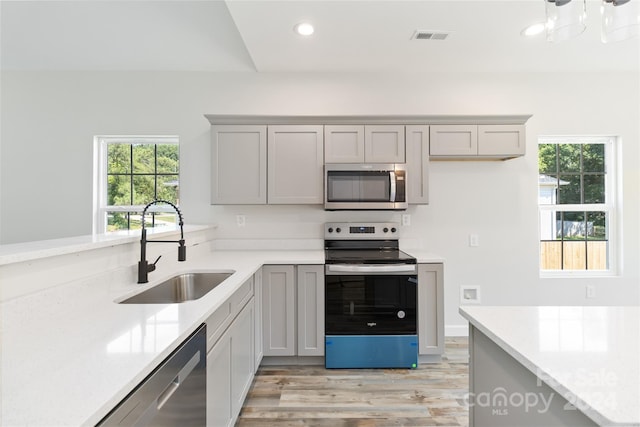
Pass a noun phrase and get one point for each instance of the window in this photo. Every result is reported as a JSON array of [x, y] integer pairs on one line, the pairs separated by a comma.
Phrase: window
[[576, 204], [130, 173]]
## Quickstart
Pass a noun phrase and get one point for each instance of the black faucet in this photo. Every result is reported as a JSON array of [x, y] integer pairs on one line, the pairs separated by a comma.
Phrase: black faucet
[[143, 266]]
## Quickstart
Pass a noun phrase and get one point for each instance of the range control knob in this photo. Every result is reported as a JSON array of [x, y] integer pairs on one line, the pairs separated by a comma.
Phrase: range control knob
[[338, 230], [386, 230], [330, 230], [393, 229]]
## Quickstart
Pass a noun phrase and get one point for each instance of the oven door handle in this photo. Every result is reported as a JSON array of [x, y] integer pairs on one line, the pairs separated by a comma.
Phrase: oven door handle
[[371, 268]]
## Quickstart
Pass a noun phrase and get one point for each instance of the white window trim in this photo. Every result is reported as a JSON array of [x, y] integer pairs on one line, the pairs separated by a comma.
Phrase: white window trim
[[100, 207], [612, 149]]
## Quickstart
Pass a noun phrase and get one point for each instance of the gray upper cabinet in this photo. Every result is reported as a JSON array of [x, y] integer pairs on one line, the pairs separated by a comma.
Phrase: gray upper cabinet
[[295, 164], [238, 164], [490, 141], [344, 144], [417, 151], [454, 140], [501, 140], [384, 144], [364, 144]]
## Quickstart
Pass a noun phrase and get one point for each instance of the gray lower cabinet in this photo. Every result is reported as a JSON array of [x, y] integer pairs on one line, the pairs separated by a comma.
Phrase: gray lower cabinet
[[278, 310], [293, 310], [505, 393], [257, 330], [310, 325], [241, 357], [230, 356], [219, 412], [431, 309]]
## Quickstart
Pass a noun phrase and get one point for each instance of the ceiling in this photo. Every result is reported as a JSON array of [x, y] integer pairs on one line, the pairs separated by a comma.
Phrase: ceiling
[[257, 35]]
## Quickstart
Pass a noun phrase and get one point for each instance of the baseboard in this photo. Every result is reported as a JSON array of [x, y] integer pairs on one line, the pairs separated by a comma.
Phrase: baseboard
[[456, 331], [292, 360]]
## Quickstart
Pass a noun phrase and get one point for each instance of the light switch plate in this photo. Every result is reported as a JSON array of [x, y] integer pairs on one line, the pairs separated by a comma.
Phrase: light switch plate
[[474, 240]]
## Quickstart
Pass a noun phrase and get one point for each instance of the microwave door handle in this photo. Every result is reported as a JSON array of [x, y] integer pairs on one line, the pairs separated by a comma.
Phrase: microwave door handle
[[392, 196]]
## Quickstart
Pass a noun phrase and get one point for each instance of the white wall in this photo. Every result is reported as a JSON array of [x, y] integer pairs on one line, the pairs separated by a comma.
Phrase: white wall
[[49, 120]]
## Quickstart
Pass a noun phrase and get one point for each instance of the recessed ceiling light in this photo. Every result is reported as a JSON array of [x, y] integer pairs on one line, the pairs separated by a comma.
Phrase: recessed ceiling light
[[534, 29], [303, 29]]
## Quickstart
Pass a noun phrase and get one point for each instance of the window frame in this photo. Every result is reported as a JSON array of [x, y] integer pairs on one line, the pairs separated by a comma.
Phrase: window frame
[[611, 144], [100, 178]]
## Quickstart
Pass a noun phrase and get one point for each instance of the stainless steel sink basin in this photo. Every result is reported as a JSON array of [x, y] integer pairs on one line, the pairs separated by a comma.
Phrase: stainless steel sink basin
[[181, 288]]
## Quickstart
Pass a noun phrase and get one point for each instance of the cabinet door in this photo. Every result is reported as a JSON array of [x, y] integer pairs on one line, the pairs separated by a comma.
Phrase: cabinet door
[[384, 144], [453, 140], [343, 144], [219, 383], [238, 164], [295, 164], [278, 310], [241, 357], [430, 309], [257, 318], [310, 286], [501, 140], [417, 147]]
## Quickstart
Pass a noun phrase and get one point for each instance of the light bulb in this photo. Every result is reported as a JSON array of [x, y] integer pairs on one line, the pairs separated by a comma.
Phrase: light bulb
[[304, 29]]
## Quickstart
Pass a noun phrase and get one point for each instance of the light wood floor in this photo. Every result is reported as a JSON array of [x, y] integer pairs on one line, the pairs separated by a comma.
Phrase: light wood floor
[[432, 395]]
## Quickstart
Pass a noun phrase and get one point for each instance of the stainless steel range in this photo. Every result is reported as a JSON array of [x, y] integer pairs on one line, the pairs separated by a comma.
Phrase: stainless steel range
[[370, 298]]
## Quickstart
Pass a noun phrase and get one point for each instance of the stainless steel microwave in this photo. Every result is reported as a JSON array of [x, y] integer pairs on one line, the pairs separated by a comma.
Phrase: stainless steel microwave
[[372, 186]]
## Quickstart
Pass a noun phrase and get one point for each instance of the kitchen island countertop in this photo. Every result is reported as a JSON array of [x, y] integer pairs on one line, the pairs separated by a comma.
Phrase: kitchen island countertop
[[588, 355]]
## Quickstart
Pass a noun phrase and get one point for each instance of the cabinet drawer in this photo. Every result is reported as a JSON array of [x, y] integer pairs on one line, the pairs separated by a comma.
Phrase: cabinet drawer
[[217, 323], [241, 296]]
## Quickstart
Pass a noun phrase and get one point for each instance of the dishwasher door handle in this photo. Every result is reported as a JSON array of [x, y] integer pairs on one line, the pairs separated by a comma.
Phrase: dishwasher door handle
[[179, 379]]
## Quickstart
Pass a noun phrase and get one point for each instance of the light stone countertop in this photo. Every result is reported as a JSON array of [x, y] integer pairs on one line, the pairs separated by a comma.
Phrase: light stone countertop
[[70, 353], [589, 355], [27, 251]]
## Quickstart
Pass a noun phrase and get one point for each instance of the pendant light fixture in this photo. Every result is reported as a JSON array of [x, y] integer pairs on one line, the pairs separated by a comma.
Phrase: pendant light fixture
[[620, 20], [566, 19]]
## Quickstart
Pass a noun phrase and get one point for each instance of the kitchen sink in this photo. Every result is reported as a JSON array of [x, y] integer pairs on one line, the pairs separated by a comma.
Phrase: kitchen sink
[[180, 288]]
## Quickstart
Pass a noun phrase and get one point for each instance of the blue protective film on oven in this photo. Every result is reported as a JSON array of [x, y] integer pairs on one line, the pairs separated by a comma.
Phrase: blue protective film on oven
[[371, 351]]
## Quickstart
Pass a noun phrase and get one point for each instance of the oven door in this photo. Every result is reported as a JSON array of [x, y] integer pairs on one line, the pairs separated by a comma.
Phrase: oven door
[[377, 299]]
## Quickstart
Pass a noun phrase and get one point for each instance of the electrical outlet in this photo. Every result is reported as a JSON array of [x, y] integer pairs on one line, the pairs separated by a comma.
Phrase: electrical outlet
[[591, 291], [474, 240], [406, 220], [240, 220]]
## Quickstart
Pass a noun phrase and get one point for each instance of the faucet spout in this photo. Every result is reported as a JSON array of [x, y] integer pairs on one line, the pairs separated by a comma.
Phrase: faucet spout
[[144, 268]]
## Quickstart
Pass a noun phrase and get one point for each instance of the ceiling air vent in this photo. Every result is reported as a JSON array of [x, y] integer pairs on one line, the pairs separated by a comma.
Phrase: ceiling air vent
[[429, 35]]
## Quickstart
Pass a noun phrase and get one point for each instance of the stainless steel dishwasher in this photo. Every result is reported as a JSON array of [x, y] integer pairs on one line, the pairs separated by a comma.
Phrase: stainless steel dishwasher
[[174, 394]]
